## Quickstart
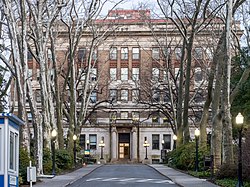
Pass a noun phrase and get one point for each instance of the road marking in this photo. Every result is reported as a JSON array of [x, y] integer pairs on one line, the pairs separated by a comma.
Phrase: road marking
[[93, 179], [128, 179], [164, 181], [145, 180], [110, 179]]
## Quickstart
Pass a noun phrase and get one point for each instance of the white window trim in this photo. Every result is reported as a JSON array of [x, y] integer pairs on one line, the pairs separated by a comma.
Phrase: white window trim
[[16, 153]]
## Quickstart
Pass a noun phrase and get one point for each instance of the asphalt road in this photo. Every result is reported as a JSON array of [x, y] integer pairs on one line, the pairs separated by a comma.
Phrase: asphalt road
[[124, 175]]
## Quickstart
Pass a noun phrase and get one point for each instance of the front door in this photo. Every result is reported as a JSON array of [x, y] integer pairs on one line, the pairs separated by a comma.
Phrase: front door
[[124, 146]]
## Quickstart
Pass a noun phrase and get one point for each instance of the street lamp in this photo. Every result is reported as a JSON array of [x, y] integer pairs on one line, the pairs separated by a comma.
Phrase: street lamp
[[174, 138], [239, 122], [101, 145], [146, 145], [53, 134], [74, 138], [197, 134]]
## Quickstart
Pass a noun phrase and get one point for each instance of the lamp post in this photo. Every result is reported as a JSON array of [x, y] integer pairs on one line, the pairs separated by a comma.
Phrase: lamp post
[[53, 134], [101, 145], [74, 139], [197, 134], [174, 138], [146, 145], [163, 154], [239, 122]]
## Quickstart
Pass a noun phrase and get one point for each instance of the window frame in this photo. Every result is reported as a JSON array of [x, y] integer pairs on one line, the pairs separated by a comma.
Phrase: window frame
[[156, 53], [125, 116], [135, 74], [167, 144], [93, 96], [113, 53], [111, 96], [113, 74], [124, 74], [81, 55], [124, 95], [135, 95], [93, 144]]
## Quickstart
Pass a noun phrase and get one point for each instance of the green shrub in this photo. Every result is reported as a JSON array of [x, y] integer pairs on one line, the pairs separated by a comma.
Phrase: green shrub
[[184, 157], [227, 171], [23, 164], [64, 159], [47, 161]]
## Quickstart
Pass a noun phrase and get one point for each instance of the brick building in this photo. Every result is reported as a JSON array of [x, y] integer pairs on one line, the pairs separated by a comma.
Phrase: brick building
[[136, 69]]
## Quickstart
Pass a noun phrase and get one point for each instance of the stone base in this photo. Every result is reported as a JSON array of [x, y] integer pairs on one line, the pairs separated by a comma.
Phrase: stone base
[[146, 161]]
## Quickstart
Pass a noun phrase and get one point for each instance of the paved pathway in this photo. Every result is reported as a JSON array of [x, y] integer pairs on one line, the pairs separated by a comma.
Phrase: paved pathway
[[182, 179]]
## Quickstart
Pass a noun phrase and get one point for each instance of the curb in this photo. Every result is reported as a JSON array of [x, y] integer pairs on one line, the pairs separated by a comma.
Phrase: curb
[[71, 182], [164, 175]]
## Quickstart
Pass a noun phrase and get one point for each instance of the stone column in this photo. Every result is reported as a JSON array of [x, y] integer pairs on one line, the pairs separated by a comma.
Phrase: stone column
[[114, 144], [134, 144]]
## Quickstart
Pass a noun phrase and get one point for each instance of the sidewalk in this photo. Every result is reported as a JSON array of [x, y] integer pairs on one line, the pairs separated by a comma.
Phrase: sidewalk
[[66, 179], [180, 178]]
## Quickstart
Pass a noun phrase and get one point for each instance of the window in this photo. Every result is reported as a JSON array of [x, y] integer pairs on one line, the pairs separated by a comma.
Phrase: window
[[155, 141], [82, 141], [124, 53], [13, 151], [81, 54], [113, 53], [135, 53], [113, 95], [155, 53], [29, 56], [82, 74], [37, 74], [135, 95], [93, 96], [156, 95], [30, 72], [135, 116], [198, 77], [38, 96], [124, 115], [112, 72], [155, 74], [135, 74], [29, 116], [166, 96], [124, 95], [167, 141], [166, 52], [93, 74], [198, 53], [124, 74], [49, 53], [155, 117], [92, 141], [176, 72], [112, 116], [94, 55], [178, 53]]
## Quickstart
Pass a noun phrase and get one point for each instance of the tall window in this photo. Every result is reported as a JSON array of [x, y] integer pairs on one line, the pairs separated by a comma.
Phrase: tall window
[[198, 53], [178, 53], [155, 141], [124, 95], [113, 95], [124, 74], [93, 96], [166, 52], [29, 56], [155, 53], [112, 72], [93, 74], [198, 76], [156, 95], [92, 141], [30, 72], [135, 53], [94, 54], [135, 95], [124, 53], [167, 141], [82, 141], [124, 115], [155, 74], [12, 151], [113, 53], [135, 74], [81, 54]]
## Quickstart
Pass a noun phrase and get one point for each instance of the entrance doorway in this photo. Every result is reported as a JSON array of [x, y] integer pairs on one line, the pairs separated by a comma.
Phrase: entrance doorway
[[124, 146]]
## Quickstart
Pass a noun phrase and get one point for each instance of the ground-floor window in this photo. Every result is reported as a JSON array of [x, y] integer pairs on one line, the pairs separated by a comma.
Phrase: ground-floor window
[[167, 141], [92, 141], [155, 141]]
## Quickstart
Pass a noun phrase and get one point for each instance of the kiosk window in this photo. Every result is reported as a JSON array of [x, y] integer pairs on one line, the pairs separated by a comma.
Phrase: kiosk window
[[13, 156]]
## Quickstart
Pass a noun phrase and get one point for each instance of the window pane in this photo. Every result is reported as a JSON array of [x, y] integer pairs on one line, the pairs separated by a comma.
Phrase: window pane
[[93, 74], [167, 141], [155, 141], [135, 74], [124, 53], [124, 95], [29, 56], [92, 141], [113, 53], [82, 141], [155, 74], [136, 54], [81, 54], [198, 53], [113, 95], [124, 115], [93, 97], [12, 146], [124, 74], [112, 72], [178, 53], [155, 53]]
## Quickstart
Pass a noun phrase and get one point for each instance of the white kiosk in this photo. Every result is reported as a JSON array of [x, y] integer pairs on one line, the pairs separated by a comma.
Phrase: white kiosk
[[9, 149]]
